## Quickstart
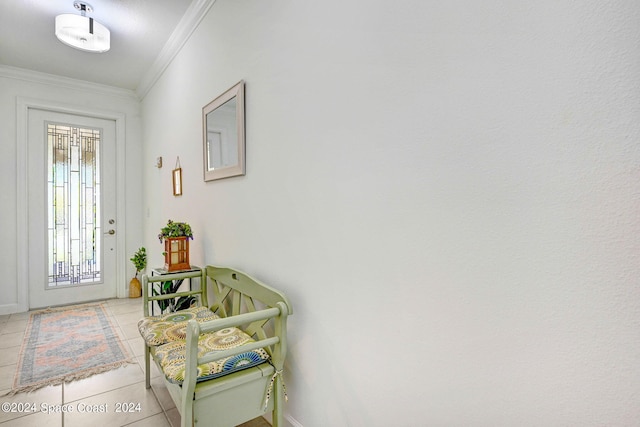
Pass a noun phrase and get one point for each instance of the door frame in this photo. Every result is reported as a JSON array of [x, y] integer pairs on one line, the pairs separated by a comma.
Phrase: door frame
[[22, 202]]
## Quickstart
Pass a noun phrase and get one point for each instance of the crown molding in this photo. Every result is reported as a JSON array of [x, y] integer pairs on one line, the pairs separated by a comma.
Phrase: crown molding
[[187, 25], [59, 81]]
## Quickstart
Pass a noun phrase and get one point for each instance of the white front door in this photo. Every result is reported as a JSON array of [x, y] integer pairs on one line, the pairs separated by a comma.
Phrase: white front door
[[72, 208]]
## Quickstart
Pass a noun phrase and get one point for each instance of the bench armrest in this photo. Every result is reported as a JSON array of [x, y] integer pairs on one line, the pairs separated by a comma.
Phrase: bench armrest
[[194, 329]]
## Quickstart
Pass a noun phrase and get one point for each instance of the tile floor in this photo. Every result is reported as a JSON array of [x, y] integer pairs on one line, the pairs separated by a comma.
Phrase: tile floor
[[121, 385]]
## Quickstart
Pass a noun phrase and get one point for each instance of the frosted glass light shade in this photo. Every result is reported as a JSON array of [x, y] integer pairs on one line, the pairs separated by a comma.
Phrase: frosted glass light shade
[[82, 32]]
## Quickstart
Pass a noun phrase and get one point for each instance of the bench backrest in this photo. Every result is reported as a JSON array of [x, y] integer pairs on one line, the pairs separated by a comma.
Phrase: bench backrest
[[152, 285], [237, 293]]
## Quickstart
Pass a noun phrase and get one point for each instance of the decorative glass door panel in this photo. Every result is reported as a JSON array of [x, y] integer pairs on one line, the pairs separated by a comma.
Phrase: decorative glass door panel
[[74, 205]]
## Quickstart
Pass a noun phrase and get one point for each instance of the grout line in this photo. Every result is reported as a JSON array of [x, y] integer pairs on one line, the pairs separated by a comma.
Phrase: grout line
[[164, 411], [105, 391]]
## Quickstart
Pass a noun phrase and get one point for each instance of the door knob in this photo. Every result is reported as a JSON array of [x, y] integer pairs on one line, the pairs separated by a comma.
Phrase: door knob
[[111, 232]]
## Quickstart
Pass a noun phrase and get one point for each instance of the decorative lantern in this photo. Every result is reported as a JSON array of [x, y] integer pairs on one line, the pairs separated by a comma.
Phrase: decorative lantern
[[176, 253]]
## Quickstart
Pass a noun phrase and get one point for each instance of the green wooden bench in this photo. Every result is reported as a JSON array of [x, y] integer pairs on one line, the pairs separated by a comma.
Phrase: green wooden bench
[[222, 367]]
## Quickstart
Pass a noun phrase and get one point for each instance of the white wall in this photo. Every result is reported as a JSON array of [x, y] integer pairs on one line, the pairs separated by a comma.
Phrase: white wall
[[16, 83], [447, 191]]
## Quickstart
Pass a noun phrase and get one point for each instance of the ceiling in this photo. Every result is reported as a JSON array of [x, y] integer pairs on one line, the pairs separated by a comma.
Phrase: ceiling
[[140, 29]]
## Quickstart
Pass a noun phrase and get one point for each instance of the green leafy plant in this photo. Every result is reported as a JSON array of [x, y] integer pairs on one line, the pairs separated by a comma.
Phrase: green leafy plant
[[175, 229], [174, 304], [140, 260]]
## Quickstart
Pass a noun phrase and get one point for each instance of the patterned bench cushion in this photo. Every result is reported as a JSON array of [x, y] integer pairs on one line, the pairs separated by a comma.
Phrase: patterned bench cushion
[[172, 355], [158, 330]]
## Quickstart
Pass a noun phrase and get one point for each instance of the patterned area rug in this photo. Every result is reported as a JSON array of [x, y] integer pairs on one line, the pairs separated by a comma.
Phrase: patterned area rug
[[68, 343]]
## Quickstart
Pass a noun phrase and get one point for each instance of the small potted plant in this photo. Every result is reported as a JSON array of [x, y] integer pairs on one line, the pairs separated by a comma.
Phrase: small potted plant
[[140, 262], [176, 236]]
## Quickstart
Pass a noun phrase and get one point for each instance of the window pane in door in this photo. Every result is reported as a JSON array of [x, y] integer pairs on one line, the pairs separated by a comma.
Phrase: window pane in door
[[73, 181]]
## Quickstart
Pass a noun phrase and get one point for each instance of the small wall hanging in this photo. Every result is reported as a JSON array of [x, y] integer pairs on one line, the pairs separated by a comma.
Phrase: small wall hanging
[[177, 179]]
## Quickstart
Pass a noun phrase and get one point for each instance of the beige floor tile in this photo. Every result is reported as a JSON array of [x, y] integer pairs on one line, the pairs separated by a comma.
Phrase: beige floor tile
[[119, 301], [162, 394], [19, 316], [125, 307], [101, 383], [9, 356], [7, 373], [36, 420], [158, 420], [42, 398], [13, 326], [119, 331], [130, 331], [13, 339], [173, 415], [108, 408], [129, 318], [137, 345]]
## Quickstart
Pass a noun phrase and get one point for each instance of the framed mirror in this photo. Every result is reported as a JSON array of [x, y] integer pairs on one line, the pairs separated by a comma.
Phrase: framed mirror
[[177, 182], [223, 135]]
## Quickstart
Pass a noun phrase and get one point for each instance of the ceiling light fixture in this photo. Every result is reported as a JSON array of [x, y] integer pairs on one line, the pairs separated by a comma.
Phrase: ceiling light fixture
[[82, 32]]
